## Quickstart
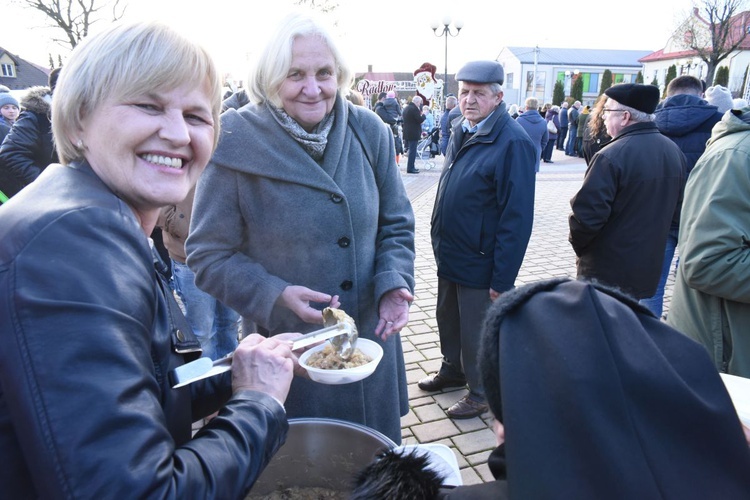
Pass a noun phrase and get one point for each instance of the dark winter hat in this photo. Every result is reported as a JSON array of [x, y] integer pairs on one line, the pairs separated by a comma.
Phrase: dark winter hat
[[481, 72], [6, 98], [635, 95]]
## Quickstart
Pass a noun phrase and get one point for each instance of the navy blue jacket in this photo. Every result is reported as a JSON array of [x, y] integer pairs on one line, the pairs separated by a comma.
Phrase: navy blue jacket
[[687, 120], [484, 209], [563, 118]]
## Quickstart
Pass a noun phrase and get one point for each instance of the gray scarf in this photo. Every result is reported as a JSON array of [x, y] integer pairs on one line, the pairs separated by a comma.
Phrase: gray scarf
[[314, 143]]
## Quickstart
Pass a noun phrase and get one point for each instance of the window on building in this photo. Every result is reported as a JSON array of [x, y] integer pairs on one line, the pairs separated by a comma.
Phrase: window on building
[[541, 78], [509, 81], [8, 70]]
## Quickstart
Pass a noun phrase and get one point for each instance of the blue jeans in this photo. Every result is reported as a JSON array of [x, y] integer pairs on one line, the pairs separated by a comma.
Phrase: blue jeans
[[571, 144], [655, 304], [212, 322]]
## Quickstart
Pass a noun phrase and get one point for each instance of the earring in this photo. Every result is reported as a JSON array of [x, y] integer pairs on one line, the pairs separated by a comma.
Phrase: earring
[[79, 144]]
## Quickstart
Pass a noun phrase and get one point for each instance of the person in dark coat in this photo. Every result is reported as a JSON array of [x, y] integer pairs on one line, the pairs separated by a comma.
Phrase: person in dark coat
[[412, 131], [593, 397], [573, 114], [391, 121], [630, 195], [688, 120], [551, 116], [445, 122], [28, 148], [534, 125], [563, 132], [481, 224]]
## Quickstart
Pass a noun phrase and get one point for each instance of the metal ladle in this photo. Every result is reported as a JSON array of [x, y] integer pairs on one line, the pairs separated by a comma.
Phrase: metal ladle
[[343, 336]]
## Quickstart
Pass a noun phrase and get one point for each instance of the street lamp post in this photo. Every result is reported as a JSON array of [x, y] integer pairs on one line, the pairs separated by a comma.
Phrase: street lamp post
[[446, 32]]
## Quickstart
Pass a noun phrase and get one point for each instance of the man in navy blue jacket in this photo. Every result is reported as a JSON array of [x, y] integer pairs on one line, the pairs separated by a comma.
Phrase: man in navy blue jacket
[[481, 224], [687, 119]]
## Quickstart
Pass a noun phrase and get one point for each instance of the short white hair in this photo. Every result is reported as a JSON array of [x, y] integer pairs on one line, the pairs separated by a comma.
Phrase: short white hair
[[273, 65]]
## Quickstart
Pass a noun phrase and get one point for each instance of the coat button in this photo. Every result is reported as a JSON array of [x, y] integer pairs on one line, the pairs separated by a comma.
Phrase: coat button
[[344, 242], [336, 198], [180, 336], [346, 285]]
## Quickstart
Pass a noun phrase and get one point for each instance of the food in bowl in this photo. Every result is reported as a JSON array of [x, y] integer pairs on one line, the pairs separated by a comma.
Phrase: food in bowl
[[328, 359], [368, 347]]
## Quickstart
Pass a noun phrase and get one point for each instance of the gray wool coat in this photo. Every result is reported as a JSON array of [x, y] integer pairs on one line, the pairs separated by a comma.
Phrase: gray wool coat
[[266, 216]]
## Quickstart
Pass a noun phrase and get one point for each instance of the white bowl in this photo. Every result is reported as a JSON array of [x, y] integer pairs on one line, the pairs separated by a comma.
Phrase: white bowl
[[347, 375]]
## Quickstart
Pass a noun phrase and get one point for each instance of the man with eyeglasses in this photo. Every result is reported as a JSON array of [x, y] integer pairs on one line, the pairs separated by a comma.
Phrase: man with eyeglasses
[[630, 195]]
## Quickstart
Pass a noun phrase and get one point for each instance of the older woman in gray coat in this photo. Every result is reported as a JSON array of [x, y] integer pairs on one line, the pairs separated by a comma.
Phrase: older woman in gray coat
[[302, 206]]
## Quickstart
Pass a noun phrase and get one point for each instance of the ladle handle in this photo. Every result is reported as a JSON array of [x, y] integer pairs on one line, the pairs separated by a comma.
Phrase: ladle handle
[[322, 334]]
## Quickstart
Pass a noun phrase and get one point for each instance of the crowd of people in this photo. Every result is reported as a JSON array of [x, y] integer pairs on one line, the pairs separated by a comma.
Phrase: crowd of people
[[284, 198]]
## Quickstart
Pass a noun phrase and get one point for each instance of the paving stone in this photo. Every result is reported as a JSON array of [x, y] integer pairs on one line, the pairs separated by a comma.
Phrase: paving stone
[[420, 327], [433, 431], [410, 419], [432, 365], [474, 442], [484, 472], [414, 375], [446, 399], [480, 458], [426, 400], [472, 424], [470, 476], [432, 353], [429, 413], [408, 440], [413, 356]]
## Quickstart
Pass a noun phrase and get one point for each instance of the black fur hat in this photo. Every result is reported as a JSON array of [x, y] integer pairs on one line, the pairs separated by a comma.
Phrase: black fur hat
[[397, 476]]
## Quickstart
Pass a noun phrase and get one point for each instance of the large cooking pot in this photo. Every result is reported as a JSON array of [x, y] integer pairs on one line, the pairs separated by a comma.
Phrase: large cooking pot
[[322, 453]]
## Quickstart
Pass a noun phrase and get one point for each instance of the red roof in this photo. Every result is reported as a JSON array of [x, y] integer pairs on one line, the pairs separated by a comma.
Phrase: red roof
[[740, 23]]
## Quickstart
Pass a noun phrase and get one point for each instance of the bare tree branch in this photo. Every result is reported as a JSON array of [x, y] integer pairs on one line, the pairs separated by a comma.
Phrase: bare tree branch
[[74, 17], [324, 6], [714, 30]]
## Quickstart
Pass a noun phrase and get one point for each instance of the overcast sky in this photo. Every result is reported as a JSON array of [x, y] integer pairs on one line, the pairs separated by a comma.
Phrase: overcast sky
[[390, 35]]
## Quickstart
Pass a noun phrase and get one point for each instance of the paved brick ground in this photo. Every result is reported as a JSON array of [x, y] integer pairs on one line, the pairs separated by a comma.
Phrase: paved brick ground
[[549, 255]]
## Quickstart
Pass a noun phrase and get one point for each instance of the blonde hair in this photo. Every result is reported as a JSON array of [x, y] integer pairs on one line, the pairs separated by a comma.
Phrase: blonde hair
[[274, 62], [125, 61]]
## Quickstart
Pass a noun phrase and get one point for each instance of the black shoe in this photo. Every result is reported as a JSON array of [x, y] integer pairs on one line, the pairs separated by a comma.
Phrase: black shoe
[[548, 161], [415, 171], [437, 382], [466, 407]]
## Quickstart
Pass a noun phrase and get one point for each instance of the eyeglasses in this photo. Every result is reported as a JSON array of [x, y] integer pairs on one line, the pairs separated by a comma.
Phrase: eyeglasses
[[606, 111]]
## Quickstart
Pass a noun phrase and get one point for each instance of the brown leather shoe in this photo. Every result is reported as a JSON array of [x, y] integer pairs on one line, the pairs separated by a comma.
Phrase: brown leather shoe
[[466, 407], [437, 382]]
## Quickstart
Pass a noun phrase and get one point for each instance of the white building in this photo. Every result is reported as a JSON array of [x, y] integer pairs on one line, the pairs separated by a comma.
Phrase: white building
[[687, 62], [524, 65]]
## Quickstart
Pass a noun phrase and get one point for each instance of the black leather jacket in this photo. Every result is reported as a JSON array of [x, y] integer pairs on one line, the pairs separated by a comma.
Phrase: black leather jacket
[[88, 337]]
